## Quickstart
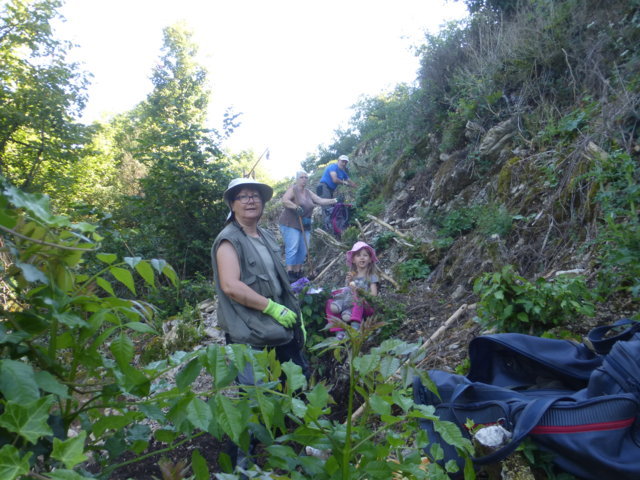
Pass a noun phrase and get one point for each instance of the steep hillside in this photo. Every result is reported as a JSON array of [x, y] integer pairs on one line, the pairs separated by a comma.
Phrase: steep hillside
[[519, 149]]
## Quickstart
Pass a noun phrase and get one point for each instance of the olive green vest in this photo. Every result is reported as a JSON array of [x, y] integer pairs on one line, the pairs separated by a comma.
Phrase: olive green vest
[[244, 324]]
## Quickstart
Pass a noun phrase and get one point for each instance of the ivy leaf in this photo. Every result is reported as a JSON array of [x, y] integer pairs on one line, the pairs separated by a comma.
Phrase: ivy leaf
[[28, 420], [124, 276], [70, 451], [17, 382], [11, 465]]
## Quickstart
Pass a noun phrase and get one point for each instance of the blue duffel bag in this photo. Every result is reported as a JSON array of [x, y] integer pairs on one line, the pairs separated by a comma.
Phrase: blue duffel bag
[[581, 406]]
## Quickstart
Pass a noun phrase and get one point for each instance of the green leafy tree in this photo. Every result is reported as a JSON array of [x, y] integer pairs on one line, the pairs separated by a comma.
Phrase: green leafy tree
[[41, 95], [180, 206]]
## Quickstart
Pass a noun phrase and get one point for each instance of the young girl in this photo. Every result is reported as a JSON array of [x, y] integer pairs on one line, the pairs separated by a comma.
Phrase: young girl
[[345, 303]]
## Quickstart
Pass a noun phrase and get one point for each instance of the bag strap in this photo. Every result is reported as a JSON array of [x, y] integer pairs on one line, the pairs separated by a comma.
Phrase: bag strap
[[603, 345], [527, 421]]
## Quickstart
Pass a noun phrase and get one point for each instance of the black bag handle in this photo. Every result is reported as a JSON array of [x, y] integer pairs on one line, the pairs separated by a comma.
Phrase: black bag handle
[[603, 345]]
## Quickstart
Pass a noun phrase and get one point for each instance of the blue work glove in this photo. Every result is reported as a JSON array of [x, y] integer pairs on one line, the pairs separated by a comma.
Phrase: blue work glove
[[299, 211], [280, 314]]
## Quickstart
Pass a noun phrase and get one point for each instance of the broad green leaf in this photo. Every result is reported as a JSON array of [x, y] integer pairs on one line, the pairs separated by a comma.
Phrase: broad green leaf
[[378, 405], [452, 435], [366, 363], [166, 436], [32, 273], [158, 264], [122, 349], [298, 407], [111, 422], [28, 420], [107, 258], [11, 465], [266, 409], [188, 374], [140, 327], [105, 285], [70, 320], [402, 400], [8, 218], [170, 273], [295, 378], [17, 382], [133, 381], [319, 396], [229, 416], [199, 466], [146, 272], [132, 261], [388, 366], [84, 227], [50, 384], [70, 451], [199, 414], [37, 204], [124, 276], [222, 372]]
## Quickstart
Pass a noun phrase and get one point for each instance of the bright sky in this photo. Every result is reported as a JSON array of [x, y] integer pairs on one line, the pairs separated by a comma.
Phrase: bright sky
[[293, 68]]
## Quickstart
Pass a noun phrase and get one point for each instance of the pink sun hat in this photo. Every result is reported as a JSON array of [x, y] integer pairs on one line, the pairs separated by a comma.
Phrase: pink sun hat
[[356, 248]]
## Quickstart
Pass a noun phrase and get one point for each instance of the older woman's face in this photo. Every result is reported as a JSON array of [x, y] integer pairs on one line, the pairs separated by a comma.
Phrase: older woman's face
[[247, 204], [302, 179]]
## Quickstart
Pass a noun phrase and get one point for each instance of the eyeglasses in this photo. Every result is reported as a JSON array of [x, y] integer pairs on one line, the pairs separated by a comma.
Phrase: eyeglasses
[[246, 198]]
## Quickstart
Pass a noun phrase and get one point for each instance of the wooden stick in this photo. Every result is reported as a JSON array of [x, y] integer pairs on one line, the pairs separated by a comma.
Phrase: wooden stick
[[429, 341], [386, 225], [326, 269], [443, 327], [387, 277]]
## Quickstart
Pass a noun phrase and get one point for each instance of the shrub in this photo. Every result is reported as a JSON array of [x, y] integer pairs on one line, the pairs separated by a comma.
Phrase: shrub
[[510, 303]]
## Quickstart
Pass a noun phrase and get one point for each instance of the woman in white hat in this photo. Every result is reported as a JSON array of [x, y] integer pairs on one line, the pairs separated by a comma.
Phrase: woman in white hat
[[256, 306]]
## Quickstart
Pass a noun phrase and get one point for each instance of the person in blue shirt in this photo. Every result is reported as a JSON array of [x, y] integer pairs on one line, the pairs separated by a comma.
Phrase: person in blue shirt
[[334, 175]]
